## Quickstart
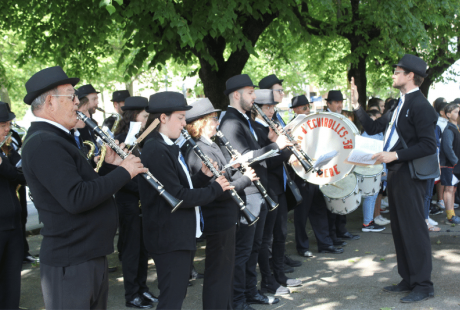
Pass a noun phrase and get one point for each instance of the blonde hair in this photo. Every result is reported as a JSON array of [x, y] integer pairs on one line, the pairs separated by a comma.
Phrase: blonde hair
[[195, 128]]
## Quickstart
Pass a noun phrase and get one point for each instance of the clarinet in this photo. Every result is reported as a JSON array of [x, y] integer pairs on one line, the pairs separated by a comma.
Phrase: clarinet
[[303, 158], [172, 201], [234, 153], [250, 218]]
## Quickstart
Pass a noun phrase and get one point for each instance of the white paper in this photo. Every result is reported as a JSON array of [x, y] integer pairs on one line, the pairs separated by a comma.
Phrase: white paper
[[134, 128], [249, 158], [364, 149], [325, 159]]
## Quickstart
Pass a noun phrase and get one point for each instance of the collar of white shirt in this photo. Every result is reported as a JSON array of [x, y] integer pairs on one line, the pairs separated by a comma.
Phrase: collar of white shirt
[[167, 140], [76, 133], [39, 119], [262, 122]]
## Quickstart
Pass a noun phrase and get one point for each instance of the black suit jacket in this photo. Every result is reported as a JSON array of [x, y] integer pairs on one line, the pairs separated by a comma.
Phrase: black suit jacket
[[236, 129], [165, 231], [222, 213], [74, 203], [416, 122]]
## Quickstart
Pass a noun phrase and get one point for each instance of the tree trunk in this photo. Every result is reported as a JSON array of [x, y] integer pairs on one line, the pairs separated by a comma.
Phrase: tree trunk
[[358, 71], [425, 87]]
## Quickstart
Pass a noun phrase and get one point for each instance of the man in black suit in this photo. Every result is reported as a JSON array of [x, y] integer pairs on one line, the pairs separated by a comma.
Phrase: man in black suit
[[236, 125], [75, 204], [415, 119]]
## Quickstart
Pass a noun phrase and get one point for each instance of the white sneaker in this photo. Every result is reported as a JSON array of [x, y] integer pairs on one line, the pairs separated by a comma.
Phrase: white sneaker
[[440, 204], [384, 203], [455, 205], [432, 222], [380, 220]]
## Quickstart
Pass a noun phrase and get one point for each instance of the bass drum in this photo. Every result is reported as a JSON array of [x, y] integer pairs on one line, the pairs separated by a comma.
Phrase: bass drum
[[320, 133], [342, 197]]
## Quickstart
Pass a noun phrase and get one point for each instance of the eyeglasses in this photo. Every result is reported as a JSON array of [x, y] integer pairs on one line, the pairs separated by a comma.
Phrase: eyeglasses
[[72, 96], [214, 118], [305, 108], [281, 91], [398, 72]]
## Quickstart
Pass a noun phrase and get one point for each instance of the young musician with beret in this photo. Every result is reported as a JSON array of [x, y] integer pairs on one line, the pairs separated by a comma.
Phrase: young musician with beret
[[221, 215], [170, 237], [11, 235], [133, 255]]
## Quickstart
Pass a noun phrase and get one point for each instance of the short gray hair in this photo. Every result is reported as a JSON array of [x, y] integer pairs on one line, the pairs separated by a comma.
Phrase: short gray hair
[[230, 96], [38, 102]]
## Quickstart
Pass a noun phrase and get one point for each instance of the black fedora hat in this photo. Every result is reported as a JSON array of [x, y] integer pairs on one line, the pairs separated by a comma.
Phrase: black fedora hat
[[85, 90], [120, 95], [46, 79], [268, 81], [5, 112], [201, 108], [414, 64], [265, 96], [335, 95], [299, 101], [166, 102], [135, 103], [237, 82]]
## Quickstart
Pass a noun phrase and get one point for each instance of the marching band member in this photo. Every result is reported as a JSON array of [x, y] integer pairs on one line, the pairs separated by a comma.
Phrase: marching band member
[[313, 206], [11, 236], [75, 204], [171, 237], [118, 99], [276, 221], [132, 253], [236, 125], [221, 215]]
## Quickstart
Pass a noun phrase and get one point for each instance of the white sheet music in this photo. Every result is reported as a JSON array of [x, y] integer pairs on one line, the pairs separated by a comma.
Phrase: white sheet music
[[134, 128], [364, 150], [325, 158]]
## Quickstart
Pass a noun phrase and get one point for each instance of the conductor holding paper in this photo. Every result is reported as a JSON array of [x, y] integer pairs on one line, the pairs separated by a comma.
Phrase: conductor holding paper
[[408, 135]]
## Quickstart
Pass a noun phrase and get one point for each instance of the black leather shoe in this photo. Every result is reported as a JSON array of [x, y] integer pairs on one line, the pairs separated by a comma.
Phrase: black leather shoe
[[338, 242], [290, 262], [332, 250], [305, 253], [349, 236], [112, 269], [262, 299], [149, 296], [417, 296], [139, 303], [396, 289], [288, 269], [195, 275]]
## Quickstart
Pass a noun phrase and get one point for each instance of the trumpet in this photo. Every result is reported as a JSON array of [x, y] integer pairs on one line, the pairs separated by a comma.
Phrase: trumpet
[[272, 205], [303, 158], [250, 218], [172, 201]]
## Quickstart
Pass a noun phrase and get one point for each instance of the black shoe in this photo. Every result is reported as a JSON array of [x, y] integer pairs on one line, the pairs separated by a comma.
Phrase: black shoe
[[139, 303], [416, 297], [112, 269], [305, 253], [349, 236], [372, 227], [397, 289], [275, 289], [435, 210], [242, 306], [332, 250], [195, 275], [30, 259], [290, 262], [262, 299], [292, 283], [288, 269], [190, 283], [338, 242], [149, 296]]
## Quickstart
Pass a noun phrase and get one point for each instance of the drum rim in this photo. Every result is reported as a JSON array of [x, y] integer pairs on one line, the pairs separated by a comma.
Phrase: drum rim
[[368, 175], [348, 195]]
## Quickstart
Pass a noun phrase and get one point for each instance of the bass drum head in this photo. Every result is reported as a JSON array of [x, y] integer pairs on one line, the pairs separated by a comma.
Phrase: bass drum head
[[340, 189], [320, 133], [369, 170]]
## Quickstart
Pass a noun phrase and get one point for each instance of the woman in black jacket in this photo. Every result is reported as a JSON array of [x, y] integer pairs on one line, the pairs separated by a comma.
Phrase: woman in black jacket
[[11, 237], [221, 215], [131, 248], [170, 237]]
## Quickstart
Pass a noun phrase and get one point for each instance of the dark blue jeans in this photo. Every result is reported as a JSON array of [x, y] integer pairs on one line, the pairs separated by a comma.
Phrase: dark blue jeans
[[428, 195]]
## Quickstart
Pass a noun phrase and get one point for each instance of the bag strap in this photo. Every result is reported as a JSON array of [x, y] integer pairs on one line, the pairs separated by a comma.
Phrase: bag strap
[[401, 137]]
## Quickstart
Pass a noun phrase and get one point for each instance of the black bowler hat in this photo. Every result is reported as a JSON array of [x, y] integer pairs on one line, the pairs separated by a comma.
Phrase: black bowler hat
[[45, 80], [299, 101], [166, 102], [201, 108], [120, 95], [85, 90], [335, 95], [268, 81], [237, 82], [135, 103], [414, 64], [265, 96], [5, 113]]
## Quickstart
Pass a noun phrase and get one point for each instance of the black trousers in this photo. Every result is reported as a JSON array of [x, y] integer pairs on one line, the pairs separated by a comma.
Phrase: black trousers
[[337, 224], [247, 246], [11, 255], [218, 270], [173, 270], [275, 229], [82, 286], [410, 235], [313, 207], [134, 256], [24, 214]]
